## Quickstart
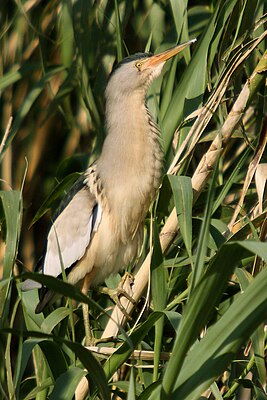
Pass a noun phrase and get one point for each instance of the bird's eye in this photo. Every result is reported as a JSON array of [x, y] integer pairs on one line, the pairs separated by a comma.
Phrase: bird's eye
[[138, 65]]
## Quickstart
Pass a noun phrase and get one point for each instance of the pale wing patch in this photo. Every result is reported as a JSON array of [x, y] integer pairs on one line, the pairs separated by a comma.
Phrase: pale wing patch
[[70, 234]]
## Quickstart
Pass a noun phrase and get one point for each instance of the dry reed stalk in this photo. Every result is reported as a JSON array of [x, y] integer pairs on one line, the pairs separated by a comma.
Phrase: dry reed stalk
[[3, 142], [144, 355], [7, 157], [250, 173], [82, 389], [205, 114], [208, 161]]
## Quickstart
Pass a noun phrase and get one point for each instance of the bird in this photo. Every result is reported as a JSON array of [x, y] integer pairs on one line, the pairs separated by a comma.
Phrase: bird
[[98, 228]]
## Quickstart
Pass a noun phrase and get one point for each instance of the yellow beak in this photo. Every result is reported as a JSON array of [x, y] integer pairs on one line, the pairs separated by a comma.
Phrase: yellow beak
[[165, 55]]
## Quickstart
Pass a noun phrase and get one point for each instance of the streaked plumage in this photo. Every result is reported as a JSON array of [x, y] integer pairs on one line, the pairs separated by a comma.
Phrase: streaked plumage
[[99, 230]]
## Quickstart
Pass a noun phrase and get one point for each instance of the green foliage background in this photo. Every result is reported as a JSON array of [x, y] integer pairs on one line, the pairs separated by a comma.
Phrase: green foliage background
[[208, 299]]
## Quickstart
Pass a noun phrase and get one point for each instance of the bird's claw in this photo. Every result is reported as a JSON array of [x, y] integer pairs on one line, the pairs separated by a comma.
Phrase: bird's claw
[[115, 294], [94, 342]]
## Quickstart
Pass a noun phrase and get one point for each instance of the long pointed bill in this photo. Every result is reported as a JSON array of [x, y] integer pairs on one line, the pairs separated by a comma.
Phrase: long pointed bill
[[165, 55]]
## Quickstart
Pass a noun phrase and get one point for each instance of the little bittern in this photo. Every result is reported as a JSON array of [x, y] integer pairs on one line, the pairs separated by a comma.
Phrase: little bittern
[[98, 230]]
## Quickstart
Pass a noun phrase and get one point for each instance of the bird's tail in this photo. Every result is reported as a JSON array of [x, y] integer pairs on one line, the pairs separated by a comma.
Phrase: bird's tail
[[47, 297]]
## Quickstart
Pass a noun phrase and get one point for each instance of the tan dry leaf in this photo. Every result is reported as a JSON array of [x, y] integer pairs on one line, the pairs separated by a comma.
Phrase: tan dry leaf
[[260, 180]]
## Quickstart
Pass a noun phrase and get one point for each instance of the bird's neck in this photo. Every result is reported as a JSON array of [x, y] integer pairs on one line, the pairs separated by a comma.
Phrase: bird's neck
[[131, 160], [126, 119], [131, 144]]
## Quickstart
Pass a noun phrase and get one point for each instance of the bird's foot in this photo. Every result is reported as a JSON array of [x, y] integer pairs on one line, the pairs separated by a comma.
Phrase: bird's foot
[[94, 342], [126, 281], [90, 342]]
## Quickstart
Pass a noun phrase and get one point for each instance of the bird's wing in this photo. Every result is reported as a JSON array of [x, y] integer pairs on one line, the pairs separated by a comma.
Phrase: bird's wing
[[71, 231]]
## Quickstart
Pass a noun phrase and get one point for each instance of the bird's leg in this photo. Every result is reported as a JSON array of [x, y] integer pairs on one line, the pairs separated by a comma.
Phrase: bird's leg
[[115, 294], [89, 340]]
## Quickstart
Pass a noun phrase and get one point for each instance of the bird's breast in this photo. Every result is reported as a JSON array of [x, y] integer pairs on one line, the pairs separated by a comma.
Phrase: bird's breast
[[130, 166], [131, 187]]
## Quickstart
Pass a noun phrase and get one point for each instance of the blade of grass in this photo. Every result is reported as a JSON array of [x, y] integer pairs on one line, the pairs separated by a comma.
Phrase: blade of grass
[[131, 392], [216, 350], [202, 301], [124, 351], [227, 185], [159, 292], [60, 189], [189, 91], [8, 356], [15, 74], [66, 384], [118, 33], [257, 338], [31, 97], [11, 202], [52, 346], [183, 197], [54, 318], [204, 235]]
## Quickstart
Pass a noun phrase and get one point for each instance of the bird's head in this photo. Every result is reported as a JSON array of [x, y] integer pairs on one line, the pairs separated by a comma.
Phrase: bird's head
[[136, 72]]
